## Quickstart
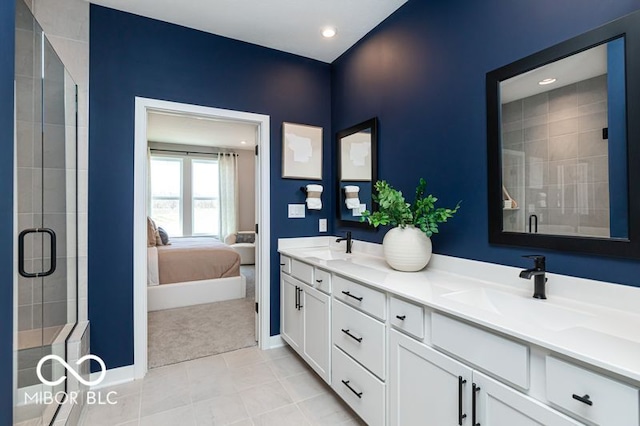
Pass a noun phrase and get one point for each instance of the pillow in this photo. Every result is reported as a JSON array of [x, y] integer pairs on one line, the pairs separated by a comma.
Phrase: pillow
[[151, 232], [246, 238], [164, 237]]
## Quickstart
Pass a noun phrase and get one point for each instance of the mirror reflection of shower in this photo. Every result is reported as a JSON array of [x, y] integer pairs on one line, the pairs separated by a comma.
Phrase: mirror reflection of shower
[[561, 130]]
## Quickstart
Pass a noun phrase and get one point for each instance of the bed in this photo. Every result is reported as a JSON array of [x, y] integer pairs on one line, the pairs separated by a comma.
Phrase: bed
[[192, 271]]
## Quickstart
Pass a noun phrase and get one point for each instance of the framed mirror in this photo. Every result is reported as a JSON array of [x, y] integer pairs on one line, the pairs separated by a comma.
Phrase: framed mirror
[[356, 149], [563, 143]]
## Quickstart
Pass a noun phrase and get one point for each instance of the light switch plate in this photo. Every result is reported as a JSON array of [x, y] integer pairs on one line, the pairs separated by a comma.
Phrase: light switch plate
[[296, 211], [322, 225]]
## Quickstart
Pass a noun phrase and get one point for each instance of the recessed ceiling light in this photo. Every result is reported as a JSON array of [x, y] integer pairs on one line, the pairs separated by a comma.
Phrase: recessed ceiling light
[[243, 142], [328, 32], [547, 81]]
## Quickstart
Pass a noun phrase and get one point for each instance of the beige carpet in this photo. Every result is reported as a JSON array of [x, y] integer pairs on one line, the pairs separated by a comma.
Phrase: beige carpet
[[181, 334]]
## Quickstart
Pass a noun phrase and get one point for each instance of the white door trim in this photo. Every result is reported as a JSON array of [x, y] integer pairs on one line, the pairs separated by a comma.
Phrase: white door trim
[[263, 249]]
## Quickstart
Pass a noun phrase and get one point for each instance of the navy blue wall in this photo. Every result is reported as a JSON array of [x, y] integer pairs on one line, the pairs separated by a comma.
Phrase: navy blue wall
[[133, 56], [422, 72], [7, 71]]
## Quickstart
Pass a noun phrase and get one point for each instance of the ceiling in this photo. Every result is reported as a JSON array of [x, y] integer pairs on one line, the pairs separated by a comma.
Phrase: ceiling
[[292, 26], [199, 131], [579, 67]]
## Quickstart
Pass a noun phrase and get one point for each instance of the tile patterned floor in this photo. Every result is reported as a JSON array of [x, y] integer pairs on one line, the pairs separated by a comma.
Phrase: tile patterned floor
[[244, 387]]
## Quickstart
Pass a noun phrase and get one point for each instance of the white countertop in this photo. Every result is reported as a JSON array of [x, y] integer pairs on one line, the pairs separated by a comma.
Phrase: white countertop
[[581, 327]]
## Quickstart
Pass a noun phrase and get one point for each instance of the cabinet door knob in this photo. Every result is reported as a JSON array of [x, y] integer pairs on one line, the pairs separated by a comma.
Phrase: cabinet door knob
[[346, 293], [584, 399], [347, 332], [346, 383]]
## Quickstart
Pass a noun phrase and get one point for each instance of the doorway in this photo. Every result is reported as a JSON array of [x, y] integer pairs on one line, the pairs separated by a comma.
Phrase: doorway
[[145, 107]]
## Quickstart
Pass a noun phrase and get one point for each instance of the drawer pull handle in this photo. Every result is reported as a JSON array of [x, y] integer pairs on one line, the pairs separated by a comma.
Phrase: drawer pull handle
[[357, 339], [359, 299], [282, 264], [475, 389], [346, 383], [318, 281], [461, 416], [401, 317], [584, 399]]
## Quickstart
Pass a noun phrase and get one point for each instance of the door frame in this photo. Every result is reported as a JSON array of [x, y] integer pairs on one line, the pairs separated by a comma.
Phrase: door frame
[[263, 240]]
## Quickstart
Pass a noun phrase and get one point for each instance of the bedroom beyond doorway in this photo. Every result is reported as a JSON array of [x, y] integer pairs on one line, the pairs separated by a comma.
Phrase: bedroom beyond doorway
[[200, 199], [200, 179]]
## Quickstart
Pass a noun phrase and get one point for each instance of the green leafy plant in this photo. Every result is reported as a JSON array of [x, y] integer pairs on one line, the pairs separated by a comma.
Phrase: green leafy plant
[[394, 210]]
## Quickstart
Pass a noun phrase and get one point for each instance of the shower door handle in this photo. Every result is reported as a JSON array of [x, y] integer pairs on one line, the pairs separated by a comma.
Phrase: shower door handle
[[52, 267]]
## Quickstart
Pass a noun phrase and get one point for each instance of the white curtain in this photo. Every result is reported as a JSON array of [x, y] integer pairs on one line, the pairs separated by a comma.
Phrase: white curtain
[[228, 169], [148, 181]]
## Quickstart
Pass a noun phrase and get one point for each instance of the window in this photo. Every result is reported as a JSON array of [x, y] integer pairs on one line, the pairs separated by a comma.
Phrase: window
[[184, 195], [166, 193], [206, 211]]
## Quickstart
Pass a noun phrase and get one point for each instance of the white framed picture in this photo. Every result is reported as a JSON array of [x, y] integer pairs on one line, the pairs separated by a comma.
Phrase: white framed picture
[[355, 157], [301, 151]]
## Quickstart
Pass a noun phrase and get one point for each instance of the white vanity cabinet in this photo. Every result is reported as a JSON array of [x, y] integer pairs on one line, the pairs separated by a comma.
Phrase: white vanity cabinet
[[499, 405], [291, 313], [426, 386], [396, 359], [316, 309], [305, 316]]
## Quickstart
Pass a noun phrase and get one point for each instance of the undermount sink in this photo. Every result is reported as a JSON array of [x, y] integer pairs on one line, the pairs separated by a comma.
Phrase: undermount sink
[[526, 309], [325, 254]]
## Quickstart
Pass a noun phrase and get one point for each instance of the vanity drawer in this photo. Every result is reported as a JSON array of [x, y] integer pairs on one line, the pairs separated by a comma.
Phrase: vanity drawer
[[502, 357], [360, 336], [612, 402], [407, 316], [322, 280], [285, 264], [358, 388], [302, 271], [364, 298]]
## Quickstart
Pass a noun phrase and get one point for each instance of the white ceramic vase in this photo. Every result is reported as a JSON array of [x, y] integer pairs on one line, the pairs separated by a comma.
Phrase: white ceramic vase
[[406, 249]]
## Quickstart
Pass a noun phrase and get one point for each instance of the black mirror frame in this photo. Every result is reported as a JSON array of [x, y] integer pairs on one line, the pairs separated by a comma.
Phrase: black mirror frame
[[373, 125], [629, 27]]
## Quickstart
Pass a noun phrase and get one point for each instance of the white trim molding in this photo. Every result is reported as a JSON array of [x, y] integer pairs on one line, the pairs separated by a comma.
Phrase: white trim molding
[[114, 376], [263, 249]]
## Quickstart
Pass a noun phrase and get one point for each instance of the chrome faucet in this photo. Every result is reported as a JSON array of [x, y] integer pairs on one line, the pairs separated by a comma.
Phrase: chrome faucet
[[538, 272], [348, 240]]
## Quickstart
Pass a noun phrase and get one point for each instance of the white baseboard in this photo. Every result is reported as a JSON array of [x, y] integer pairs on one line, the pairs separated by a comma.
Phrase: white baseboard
[[275, 342], [114, 376]]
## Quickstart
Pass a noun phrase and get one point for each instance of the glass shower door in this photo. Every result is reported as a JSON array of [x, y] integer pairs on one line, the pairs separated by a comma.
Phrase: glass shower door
[[47, 221]]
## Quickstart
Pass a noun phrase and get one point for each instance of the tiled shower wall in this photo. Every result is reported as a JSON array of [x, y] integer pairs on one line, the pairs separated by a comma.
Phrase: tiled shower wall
[[66, 24], [555, 160]]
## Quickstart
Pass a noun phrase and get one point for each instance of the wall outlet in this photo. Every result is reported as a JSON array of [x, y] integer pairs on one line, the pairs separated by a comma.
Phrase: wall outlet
[[322, 225], [297, 211]]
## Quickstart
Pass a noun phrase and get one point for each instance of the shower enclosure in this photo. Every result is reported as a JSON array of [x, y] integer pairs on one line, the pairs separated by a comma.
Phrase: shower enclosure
[[45, 304]]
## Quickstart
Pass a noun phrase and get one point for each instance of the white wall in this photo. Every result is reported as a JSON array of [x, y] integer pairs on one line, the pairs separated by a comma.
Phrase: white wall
[[247, 190]]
